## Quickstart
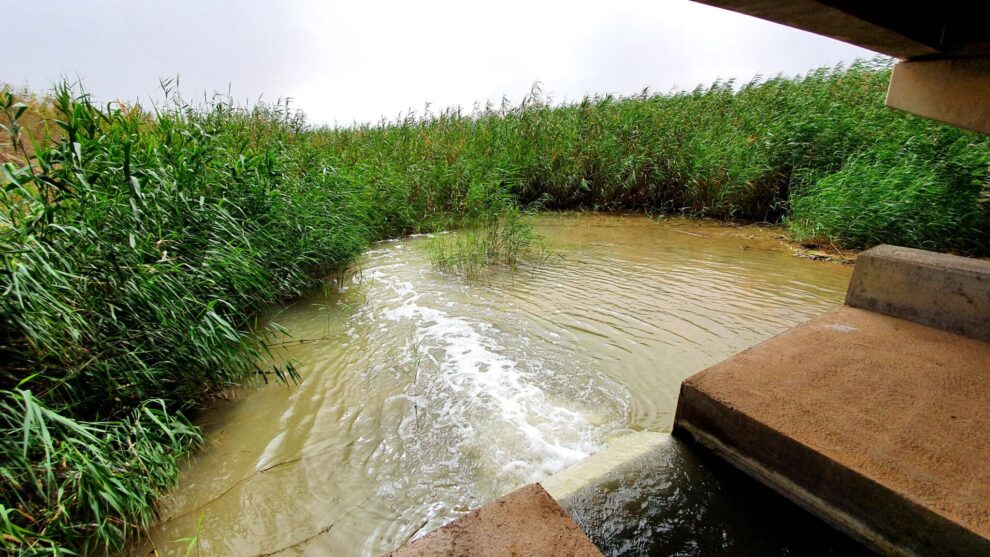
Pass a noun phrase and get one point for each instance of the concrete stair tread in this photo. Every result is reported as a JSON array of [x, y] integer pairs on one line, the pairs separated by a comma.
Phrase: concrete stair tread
[[526, 522], [903, 406]]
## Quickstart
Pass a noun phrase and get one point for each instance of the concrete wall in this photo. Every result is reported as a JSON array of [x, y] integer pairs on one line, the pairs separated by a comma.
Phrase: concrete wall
[[948, 292], [954, 91]]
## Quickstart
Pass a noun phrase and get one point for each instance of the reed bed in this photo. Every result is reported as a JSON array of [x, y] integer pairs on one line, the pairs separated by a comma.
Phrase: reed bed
[[136, 249], [138, 245], [820, 153]]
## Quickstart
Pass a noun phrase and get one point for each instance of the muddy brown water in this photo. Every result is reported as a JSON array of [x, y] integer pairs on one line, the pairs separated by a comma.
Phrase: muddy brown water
[[424, 395]]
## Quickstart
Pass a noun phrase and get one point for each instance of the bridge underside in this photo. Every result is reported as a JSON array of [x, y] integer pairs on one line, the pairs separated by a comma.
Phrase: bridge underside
[[944, 48]]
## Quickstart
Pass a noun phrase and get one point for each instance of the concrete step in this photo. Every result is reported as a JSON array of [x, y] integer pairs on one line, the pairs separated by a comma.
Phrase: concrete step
[[878, 425], [524, 523]]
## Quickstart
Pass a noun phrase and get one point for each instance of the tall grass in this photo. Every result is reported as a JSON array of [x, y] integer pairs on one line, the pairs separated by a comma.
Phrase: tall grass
[[136, 248], [136, 245], [818, 152], [135, 251]]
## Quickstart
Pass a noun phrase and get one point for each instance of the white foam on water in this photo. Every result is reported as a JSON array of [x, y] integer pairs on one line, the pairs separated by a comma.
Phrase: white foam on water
[[479, 401], [271, 451]]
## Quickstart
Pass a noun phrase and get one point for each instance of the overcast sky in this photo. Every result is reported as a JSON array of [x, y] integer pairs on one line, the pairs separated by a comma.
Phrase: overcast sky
[[343, 61]]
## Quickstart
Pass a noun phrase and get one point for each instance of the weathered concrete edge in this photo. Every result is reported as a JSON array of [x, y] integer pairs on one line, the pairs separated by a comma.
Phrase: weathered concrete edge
[[835, 518], [526, 521], [893, 516], [951, 91], [944, 291], [620, 453]]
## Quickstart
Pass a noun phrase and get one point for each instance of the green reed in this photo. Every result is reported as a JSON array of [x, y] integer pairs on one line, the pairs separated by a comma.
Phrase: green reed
[[499, 239], [820, 153], [136, 248]]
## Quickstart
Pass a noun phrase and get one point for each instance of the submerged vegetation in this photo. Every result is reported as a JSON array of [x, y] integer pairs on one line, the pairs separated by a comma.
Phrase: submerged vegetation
[[500, 238], [137, 245]]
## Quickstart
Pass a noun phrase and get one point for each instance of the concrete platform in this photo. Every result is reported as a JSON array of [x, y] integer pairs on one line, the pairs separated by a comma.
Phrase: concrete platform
[[936, 289], [526, 522], [878, 425]]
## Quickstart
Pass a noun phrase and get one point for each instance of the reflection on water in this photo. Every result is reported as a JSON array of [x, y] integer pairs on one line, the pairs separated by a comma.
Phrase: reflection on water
[[423, 395], [675, 501]]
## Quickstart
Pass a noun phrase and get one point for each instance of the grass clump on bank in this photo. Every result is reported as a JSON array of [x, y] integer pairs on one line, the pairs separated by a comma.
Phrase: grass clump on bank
[[137, 246], [929, 202]]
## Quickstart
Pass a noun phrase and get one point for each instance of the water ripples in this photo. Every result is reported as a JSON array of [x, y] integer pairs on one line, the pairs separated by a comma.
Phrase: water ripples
[[424, 395]]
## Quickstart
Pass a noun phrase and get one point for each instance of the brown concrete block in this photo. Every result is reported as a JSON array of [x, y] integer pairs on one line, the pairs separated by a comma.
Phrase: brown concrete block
[[878, 425], [526, 522], [936, 289]]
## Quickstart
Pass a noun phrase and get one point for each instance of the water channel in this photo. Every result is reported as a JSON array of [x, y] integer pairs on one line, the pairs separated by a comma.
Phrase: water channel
[[424, 394]]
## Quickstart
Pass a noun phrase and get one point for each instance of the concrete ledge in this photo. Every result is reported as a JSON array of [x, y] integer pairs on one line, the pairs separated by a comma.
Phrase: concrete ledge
[[619, 454], [879, 426], [944, 291], [952, 91], [526, 522]]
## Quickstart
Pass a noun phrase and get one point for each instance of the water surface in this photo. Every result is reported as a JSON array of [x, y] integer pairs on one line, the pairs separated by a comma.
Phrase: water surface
[[424, 394], [680, 501]]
